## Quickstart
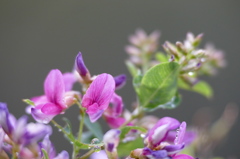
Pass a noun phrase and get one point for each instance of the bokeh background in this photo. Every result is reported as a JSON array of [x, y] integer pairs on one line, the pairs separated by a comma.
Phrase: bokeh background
[[36, 36]]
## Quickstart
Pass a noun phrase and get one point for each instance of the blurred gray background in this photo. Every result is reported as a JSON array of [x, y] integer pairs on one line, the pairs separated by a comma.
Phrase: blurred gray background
[[36, 36]]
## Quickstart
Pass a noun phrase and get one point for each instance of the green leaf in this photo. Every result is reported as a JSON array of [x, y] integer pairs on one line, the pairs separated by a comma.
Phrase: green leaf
[[158, 85], [132, 68], [161, 57], [126, 129], [201, 87], [29, 102], [124, 149], [95, 128], [45, 155], [172, 104]]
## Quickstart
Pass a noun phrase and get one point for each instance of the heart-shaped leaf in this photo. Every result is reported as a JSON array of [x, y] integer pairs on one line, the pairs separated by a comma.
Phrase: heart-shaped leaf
[[159, 85]]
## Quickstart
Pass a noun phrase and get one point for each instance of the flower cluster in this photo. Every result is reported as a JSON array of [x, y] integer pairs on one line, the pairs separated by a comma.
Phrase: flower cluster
[[21, 138], [156, 79]]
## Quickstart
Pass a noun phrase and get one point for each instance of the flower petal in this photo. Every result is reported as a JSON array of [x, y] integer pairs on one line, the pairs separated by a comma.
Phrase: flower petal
[[183, 156], [173, 149], [36, 131], [80, 66], [94, 112], [117, 105], [111, 139], [160, 154], [39, 116], [2, 134], [20, 130], [99, 94], [47, 145], [69, 79], [5, 121], [40, 99], [54, 87], [63, 155], [159, 132], [113, 121], [99, 155], [180, 134], [51, 109], [120, 81]]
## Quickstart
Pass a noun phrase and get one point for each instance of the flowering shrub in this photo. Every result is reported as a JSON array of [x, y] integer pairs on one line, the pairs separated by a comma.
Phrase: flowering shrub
[[157, 78]]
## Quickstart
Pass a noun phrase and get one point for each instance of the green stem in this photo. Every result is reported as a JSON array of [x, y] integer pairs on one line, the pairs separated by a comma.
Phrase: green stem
[[15, 149], [82, 113], [86, 155], [74, 153], [81, 126], [59, 126], [68, 136]]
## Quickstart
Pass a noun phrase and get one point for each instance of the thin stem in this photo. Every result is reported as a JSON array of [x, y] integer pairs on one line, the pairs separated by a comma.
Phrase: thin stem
[[82, 113], [14, 153], [74, 153], [81, 125], [86, 155], [59, 126]]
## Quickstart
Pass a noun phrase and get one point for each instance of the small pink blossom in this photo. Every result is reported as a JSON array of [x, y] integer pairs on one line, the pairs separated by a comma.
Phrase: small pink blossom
[[56, 99], [98, 96], [113, 113]]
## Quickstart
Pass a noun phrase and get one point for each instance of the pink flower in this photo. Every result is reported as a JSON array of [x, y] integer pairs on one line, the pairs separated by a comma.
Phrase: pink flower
[[113, 114], [183, 156], [98, 96], [56, 98]]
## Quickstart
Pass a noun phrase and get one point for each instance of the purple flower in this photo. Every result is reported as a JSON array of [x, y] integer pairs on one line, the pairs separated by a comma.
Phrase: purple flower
[[18, 130], [163, 138], [159, 132], [6, 119], [47, 145], [161, 154], [111, 140], [56, 99], [98, 96], [99, 155], [82, 69], [113, 113], [120, 81], [2, 134]]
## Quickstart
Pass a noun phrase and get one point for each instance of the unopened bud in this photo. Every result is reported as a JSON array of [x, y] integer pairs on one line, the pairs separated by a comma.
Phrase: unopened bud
[[81, 68], [197, 40], [169, 48], [181, 47], [199, 53], [120, 81], [132, 50]]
